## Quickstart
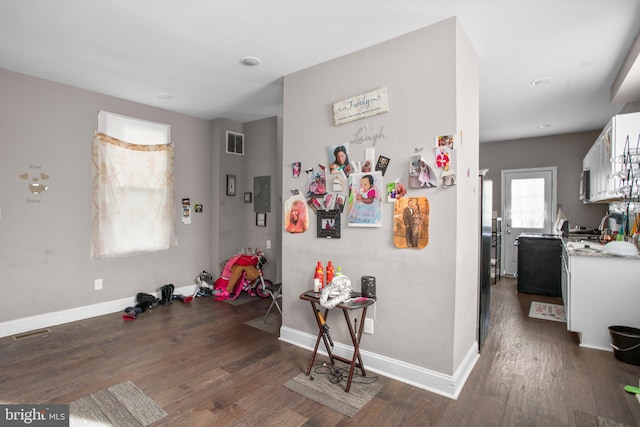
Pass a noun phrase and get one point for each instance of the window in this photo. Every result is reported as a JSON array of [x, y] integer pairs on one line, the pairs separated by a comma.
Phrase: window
[[235, 143], [527, 203], [133, 130], [133, 187]]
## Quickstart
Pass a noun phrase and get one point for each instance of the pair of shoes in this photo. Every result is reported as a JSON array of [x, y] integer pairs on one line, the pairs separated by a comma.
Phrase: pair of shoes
[[146, 301], [167, 294]]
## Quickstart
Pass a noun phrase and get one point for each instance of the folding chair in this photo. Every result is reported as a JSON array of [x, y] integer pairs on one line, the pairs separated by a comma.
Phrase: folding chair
[[275, 291]]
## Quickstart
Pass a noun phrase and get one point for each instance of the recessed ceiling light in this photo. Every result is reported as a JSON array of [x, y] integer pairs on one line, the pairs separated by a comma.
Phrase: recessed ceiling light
[[165, 95], [250, 61], [541, 82], [544, 126]]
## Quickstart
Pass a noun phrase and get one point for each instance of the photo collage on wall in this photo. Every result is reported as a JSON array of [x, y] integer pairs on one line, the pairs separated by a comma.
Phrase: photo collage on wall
[[354, 186], [357, 188], [349, 179]]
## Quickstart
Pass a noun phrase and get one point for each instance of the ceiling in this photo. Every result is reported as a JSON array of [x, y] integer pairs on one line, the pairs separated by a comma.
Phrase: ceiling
[[185, 55]]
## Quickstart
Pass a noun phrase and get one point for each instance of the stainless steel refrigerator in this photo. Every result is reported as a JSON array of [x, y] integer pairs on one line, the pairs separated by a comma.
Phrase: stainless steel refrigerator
[[484, 294]]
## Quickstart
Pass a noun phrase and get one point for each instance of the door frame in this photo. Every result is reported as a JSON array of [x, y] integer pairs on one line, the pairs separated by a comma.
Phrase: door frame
[[503, 195]]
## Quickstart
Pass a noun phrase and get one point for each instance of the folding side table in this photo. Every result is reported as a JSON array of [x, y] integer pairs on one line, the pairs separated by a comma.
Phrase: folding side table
[[346, 307], [274, 292]]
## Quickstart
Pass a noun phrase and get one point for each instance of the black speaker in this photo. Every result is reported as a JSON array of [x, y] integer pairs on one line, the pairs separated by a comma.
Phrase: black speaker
[[368, 286]]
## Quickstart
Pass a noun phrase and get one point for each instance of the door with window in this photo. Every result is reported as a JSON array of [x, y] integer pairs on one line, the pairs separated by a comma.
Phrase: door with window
[[528, 206]]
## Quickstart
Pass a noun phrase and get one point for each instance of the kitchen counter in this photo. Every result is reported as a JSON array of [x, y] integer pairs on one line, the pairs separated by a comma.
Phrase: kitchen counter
[[591, 249], [599, 290]]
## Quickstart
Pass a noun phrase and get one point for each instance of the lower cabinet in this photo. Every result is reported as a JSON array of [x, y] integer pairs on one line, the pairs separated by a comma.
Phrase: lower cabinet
[[598, 292]]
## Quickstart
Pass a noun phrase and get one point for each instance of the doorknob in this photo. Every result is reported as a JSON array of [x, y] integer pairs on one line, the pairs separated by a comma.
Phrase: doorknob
[[508, 231]]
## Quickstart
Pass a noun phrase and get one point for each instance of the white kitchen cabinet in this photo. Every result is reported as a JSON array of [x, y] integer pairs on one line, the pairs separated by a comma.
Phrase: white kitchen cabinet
[[621, 127], [600, 291], [604, 160]]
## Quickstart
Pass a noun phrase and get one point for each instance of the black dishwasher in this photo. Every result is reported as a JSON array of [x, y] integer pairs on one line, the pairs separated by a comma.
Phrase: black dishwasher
[[540, 264]]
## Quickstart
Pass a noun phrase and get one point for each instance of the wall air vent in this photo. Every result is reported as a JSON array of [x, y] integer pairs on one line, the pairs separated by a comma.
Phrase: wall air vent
[[235, 143]]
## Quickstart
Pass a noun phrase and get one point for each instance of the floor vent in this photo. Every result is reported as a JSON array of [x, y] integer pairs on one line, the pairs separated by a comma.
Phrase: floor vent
[[31, 334]]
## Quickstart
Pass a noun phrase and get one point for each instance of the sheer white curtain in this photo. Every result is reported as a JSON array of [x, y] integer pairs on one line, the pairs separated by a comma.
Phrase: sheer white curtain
[[133, 198]]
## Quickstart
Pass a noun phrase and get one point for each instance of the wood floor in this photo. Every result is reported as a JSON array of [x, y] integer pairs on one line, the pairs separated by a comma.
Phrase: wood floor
[[205, 367]]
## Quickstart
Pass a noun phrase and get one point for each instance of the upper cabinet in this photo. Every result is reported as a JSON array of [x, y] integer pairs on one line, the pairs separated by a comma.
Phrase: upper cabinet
[[610, 168]]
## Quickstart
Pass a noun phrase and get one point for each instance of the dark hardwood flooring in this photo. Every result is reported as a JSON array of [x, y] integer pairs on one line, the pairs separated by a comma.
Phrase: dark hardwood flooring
[[205, 367]]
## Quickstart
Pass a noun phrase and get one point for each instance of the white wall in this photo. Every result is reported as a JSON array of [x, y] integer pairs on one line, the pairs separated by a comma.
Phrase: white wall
[[467, 264], [426, 315]]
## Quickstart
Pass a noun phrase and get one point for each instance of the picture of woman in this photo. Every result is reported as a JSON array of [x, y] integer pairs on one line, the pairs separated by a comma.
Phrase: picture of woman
[[339, 160], [365, 195], [296, 218], [418, 220]]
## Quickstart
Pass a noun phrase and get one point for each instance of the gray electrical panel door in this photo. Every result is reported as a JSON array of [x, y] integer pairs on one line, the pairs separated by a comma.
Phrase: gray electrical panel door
[[262, 194]]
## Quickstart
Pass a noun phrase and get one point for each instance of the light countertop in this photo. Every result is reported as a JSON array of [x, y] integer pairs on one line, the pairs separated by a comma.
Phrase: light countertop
[[592, 249]]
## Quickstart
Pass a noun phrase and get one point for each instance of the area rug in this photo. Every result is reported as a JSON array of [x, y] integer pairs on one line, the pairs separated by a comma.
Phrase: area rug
[[243, 298], [271, 324], [542, 310], [332, 395], [121, 405]]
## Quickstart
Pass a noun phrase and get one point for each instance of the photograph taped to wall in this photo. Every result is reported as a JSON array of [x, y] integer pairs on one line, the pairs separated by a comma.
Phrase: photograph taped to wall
[[448, 177], [317, 183], [296, 214], [365, 196], [339, 160], [411, 223], [421, 174], [442, 156], [340, 202], [329, 201], [382, 163], [314, 204], [296, 167], [445, 141]]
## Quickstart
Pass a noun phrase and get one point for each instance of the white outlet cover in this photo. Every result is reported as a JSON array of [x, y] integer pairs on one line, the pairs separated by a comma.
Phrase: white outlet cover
[[368, 326]]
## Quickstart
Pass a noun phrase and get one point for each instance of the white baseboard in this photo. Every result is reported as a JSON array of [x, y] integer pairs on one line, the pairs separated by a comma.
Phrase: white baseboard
[[47, 320], [426, 379]]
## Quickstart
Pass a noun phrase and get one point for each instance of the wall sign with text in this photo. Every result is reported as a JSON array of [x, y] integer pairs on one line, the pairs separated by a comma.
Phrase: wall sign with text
[[360, 106]]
